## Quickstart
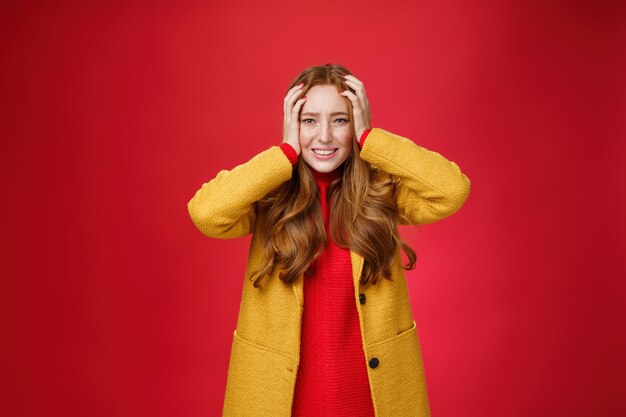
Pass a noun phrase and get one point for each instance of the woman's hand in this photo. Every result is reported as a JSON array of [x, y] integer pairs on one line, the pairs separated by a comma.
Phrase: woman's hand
[[360, 105], [291, 125]]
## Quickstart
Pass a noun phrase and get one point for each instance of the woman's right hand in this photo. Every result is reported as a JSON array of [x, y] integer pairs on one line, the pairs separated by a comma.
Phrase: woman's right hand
[[291, 125]]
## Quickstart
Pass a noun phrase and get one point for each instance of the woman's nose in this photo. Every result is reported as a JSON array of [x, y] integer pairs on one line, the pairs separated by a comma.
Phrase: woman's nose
[[324, 134]]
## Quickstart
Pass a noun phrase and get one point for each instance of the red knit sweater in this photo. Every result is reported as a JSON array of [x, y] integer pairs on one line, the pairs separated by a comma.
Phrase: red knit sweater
[[332, 375]]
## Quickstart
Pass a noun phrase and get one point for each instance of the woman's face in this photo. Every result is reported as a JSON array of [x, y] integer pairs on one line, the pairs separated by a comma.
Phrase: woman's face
[[324, 126]]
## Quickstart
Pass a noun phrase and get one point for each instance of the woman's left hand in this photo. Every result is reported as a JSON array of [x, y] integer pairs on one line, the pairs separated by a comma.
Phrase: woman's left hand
[[360, 104]]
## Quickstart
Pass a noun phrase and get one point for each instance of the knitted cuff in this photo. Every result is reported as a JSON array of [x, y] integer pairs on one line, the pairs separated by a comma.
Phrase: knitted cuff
[[363, 137], [290, 152]]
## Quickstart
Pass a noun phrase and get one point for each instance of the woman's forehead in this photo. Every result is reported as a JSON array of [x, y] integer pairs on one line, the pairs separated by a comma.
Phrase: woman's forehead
[[324, 100]]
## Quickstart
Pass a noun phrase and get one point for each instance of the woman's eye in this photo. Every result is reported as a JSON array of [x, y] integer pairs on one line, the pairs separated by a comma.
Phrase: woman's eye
[[311, 120]]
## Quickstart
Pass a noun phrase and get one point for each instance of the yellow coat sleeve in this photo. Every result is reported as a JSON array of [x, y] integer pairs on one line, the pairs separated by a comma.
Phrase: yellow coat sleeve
[[429, 187], [223, 207]]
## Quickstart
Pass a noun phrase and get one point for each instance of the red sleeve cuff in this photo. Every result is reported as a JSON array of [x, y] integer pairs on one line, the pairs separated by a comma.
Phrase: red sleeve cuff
[[290, 152], [363, 137]]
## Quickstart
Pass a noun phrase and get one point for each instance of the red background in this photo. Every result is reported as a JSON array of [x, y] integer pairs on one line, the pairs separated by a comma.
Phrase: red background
[[114, 304]]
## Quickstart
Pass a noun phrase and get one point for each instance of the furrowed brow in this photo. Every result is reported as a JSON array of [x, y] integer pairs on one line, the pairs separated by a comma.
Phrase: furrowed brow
[[337, 113]]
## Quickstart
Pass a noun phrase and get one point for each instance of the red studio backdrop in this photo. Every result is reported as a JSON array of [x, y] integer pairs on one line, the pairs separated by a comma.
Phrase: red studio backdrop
[[112, 303]]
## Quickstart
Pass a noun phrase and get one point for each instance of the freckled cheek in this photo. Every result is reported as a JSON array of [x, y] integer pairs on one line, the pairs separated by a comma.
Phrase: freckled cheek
[[305, 138], [346, 139]]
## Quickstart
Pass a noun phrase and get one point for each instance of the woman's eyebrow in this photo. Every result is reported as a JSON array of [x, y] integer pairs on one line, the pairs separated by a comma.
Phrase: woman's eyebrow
[[337, 113]]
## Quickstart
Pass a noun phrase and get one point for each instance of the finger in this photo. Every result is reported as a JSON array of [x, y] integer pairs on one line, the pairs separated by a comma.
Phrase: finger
[[296, 108], [293, 91], [362, 96], [353, 98], [360, 90], [292, 107], [356, 84], [291, 98], [293, 125], [352, 78], [358, 102], [296, 87], [359, 110]]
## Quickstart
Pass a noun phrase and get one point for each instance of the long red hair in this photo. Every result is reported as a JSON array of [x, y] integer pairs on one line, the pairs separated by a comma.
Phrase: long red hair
[[364, 217]]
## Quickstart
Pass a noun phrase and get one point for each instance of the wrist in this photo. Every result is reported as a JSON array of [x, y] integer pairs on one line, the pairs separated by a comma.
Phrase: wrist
[[363, 137]]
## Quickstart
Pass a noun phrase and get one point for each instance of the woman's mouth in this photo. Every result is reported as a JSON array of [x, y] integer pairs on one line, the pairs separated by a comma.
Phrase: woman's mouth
[[324, 153]]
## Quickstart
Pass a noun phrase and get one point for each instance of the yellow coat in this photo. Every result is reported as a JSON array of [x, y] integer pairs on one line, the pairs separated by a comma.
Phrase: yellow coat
[[266, 342]]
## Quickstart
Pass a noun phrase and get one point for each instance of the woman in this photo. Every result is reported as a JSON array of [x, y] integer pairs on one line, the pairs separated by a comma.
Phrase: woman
[[325, 325]]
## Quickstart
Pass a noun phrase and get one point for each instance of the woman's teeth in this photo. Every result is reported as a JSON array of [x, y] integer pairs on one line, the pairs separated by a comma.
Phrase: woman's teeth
[[323, 152]]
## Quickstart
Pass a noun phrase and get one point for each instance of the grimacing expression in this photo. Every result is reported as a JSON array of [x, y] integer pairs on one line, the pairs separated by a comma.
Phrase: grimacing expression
[[325, 133]]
